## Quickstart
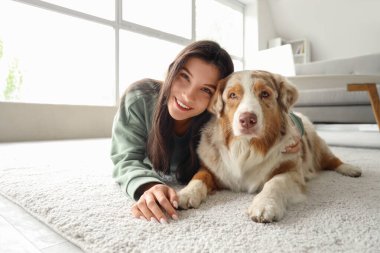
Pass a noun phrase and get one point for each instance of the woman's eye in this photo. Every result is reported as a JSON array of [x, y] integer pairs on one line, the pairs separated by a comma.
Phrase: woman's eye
[[184, 76], [232, 95], [208, 91], [264, 94]]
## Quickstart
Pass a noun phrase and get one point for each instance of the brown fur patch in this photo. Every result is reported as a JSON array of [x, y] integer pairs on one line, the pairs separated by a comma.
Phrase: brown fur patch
[[264, 75], [330, 162], [261, 85], [229, 110], [283, 168], [227, 130], [206, 177], [290, 166], [272, 129], [216, 102], [237, 89]]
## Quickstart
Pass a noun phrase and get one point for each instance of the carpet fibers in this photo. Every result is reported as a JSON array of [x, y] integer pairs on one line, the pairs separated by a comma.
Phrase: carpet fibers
[[68, 186]]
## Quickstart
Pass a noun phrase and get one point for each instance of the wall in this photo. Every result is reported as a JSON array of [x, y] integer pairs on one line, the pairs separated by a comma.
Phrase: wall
[[266, 26], [258, 21], [335, 28], [31, 122], [251, 29]]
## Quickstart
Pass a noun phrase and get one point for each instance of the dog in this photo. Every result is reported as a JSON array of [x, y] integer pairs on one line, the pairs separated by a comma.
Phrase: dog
[[241, 147]]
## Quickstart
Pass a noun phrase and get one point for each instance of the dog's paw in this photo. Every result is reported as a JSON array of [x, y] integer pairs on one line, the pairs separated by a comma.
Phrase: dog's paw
[[265, 210], [349, 170], [192, 195]]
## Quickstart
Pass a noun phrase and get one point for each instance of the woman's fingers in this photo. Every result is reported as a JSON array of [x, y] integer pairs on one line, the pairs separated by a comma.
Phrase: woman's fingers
[[146, 204], [173, 197], [166, 204], [151, 204], [151, 209], [293, 148], [136, 212]]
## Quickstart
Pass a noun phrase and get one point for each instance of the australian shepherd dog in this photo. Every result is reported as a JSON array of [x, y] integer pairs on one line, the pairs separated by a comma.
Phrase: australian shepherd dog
[[241, 147]]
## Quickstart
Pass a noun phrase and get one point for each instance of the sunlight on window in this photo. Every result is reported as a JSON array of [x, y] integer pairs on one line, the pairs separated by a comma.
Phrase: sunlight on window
[[52, 58], [101, 8], [221, 23], [144, 57], [171, 16]]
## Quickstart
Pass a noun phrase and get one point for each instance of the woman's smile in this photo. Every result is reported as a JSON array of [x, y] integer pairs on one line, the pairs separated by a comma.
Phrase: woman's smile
[[182, 106]]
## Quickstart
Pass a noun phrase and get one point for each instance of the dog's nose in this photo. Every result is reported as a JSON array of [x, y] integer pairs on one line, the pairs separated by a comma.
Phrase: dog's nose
[[247, 120]]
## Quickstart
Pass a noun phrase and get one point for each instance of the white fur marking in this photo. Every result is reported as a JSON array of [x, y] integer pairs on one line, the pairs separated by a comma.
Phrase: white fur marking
[[349, 170], [193, 194], [249, 103]]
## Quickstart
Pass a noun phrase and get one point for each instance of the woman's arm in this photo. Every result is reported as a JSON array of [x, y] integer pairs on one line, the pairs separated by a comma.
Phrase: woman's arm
[[128, 151], [132, 169]]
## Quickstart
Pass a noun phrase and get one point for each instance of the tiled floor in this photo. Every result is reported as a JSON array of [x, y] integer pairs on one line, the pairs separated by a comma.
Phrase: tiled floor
[[21, 232]]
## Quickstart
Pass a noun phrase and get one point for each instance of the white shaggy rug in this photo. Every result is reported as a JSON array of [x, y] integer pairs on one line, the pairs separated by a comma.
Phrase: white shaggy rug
[[68, 186]]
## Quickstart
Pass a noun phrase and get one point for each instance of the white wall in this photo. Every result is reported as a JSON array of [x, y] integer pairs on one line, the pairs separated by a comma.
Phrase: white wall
[[266, 26], [251, 29], [259, 28], [335, 28], [32, 122]]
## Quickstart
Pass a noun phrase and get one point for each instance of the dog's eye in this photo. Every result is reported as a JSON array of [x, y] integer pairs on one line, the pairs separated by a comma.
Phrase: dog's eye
[[264, 94], [232, 95]]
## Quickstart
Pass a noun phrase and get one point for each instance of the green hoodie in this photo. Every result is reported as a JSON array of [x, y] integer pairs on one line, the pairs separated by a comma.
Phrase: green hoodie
[[131, 126], [130, 131]]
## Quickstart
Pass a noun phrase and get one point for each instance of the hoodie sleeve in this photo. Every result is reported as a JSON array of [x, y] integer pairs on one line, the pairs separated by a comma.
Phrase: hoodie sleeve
[[130, 130]]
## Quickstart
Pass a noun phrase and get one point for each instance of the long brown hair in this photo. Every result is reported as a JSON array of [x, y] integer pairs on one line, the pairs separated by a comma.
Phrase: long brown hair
[[161, 134]]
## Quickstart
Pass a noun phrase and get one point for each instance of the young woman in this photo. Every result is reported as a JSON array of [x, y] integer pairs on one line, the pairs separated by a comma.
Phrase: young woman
[[157, 128]]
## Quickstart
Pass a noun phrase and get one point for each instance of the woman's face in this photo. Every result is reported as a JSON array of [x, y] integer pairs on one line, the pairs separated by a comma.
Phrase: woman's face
[[192, 89]]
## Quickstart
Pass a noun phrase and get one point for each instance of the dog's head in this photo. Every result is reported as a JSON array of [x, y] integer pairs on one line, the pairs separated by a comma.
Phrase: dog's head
[[253, 103]]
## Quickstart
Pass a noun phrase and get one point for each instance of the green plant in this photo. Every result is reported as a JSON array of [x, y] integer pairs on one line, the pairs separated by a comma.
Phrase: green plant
[[1, 49], [14, 78], [13, 82]]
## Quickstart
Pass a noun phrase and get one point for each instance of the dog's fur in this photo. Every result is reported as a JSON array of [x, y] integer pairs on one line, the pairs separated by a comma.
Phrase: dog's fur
[[241, 147]]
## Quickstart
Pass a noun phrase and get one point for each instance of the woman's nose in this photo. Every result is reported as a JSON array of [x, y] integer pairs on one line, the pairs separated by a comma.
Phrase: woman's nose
[[190, 94]]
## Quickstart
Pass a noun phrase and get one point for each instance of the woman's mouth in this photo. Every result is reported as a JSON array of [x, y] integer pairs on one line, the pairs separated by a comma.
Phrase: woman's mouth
[[182, 106]]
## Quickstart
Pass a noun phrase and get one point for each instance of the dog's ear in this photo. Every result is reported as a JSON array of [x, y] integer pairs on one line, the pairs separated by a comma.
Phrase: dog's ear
[[288, 93], [216, 103]]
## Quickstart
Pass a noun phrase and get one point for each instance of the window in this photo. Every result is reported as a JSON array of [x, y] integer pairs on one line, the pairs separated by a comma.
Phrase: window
[[221, 22], [136, 61], [87, 53], [48, 57], [101, 8], [170, 16]]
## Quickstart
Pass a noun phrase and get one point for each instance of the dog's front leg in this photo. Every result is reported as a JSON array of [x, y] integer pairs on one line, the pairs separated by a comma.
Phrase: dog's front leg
[[196, 191], [282, 189]]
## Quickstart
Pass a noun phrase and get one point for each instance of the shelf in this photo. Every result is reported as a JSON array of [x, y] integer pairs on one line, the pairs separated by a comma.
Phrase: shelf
[[300, 48]]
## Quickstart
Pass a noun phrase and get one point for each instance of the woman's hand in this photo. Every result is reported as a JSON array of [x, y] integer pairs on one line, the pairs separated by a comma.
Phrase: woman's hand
[[296, 145], [293, 148], [156, 200]]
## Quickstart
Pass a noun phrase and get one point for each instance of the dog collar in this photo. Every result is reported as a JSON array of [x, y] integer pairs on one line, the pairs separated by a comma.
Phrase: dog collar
[[298, 122]]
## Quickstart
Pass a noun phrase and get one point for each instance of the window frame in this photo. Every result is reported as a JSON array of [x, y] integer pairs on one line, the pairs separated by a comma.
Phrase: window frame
[[21, 113]]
